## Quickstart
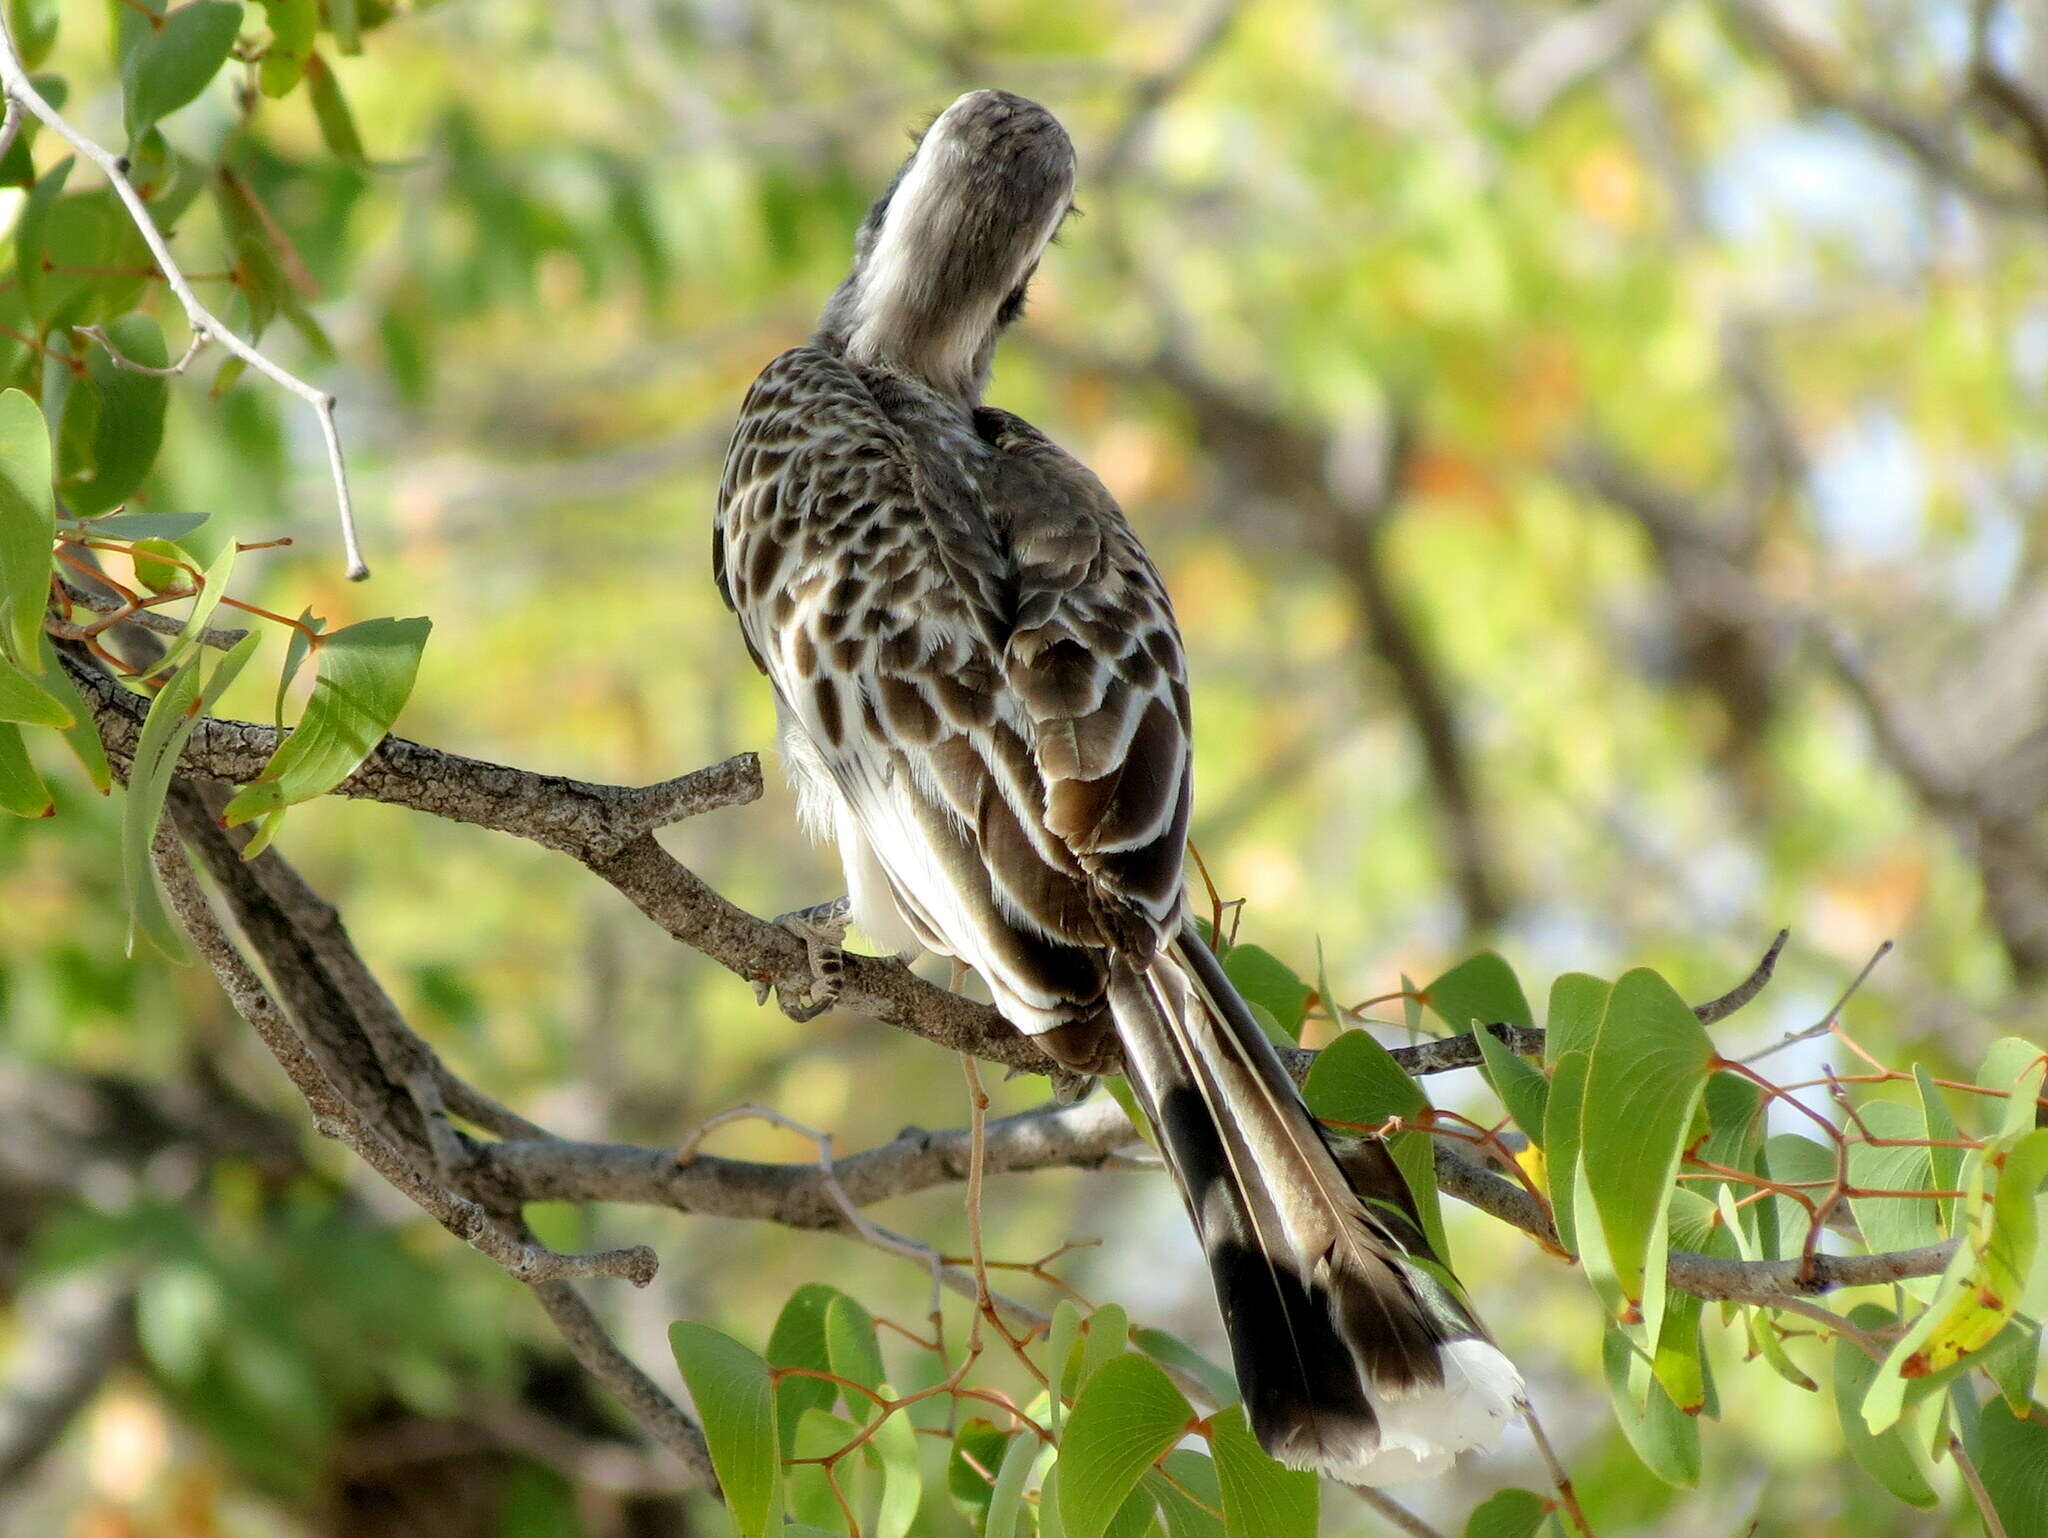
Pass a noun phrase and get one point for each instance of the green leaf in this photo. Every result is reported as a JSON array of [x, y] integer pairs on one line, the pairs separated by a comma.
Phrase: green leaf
[[102, 464], [156, 564], [895, 1444], [23, 699], [292, 26], [344, 22], [1647, 1069], [1106, 1337], [33, 24], [1737, 1117], [1357, 1082], [1127, 1416], [18, 165], [1477, 992], [1522, 1089], [173, 63], [1888, 1456], [1265, 980], [1060, 1338], [1946, 1163], [173, 715], [1260, 1498], [330, 110], [1578, 1009], [366, 671], [1663, 1436], [22, 792], [1507, 1514], [2012, 1457], [979, 1447], [854, 1353], [1188, 1493], [1172, 1351], [736, 1405], [1901, 1222], [1007, 1499], [83, 735], [2017, 1066], [798, 1340], [172, 526], [28, 526]]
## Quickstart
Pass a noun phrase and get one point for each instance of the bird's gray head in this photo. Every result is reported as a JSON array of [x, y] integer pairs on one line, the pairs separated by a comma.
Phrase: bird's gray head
[[942, 260]]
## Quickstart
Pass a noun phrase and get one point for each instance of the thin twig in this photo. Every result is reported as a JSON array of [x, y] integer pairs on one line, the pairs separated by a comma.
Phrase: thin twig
[[1566, 1495], [1994, 1525], [1826, 1022], [1716, 1010], [20, 89]]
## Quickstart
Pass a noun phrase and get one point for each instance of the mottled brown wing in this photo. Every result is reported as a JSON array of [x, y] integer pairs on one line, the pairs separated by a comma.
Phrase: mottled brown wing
[[1095, 659], [877, 601]]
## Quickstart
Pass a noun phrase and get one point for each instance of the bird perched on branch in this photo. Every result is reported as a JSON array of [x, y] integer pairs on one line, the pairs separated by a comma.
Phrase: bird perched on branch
[[984, 703]]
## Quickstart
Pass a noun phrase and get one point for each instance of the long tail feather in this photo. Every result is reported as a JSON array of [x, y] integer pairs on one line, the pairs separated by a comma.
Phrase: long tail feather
[[1351, 1360]]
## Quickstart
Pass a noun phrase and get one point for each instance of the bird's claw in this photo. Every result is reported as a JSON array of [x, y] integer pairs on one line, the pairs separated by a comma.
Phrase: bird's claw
[[822, 928]]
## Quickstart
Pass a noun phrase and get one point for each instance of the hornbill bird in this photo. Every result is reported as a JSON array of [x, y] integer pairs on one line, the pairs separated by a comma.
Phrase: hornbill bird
[[983, 700]]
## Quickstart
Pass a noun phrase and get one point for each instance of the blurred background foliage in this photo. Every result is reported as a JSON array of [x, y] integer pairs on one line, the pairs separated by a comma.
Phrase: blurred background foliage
[[1597, 453]]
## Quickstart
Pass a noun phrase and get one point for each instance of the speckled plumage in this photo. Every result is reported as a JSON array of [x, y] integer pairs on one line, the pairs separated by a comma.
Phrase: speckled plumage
[[984, 703]]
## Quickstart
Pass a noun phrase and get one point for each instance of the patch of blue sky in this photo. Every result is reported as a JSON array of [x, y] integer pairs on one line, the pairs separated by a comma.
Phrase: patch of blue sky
[[1870, 487]]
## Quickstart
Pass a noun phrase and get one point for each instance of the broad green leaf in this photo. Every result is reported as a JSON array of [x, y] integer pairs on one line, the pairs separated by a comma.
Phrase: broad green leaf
[[330, 110], [1172, 1351], [1946, 1163], [1888, 1456], [292, 27], [1893, 1223], [895, 1445], [33, 24], [1007, 1499], [1127, 1416], [1694, 1224], [854, 1353], [1663, 1436], [173, 715], [171, 526], [1267, 981], [1060, 1338], [1482, 990], [296, 651], [1357, 1082], [100, 465], [2014, 1371], [978, 1450], [1794, 1158], [2011, 1454], [736, 1406], [365, 672], [28, 526], [172, 64], [1507, 1514], [32, 233], [22, 792], [1648, 1067], [1578, 1009], [83, 735], [1106, 1337], [806, 1494], [2017, 1066], [157, 564], [1737, 1121], [1519, 1083], [1260, 1498], [23, 699], [1188, 1493], [798, 1340]]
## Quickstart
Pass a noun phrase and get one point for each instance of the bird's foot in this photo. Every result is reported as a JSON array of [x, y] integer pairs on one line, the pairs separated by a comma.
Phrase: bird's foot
[[822, 928]]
